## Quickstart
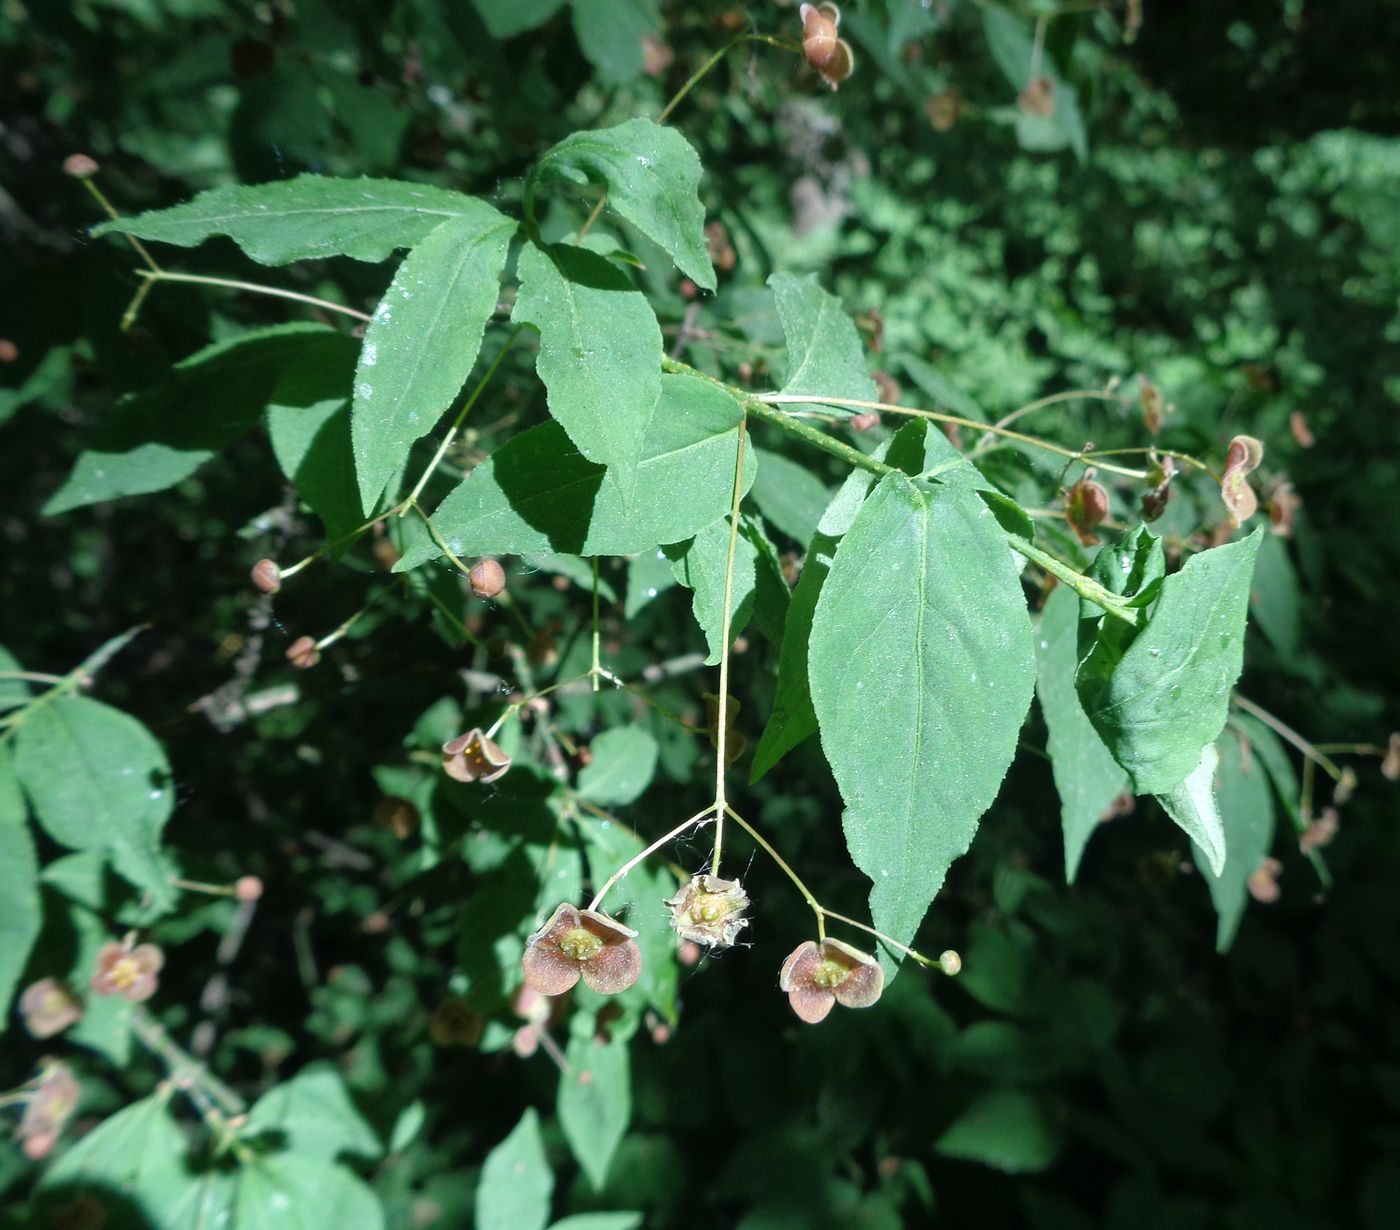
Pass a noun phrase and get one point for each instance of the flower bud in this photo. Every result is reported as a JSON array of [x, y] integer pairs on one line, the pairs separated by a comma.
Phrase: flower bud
[[1263, 881], [303, 653], [248, 888], [1159, 478], [52, 1103], [487, 578], [79, 166], [950, 963], [864, 422], [267, 576]]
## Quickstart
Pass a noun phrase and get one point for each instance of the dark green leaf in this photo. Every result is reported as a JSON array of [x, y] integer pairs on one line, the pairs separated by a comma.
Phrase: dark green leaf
[[700, 565], [622, 765], [306, 217], [600, 355], [1013, 47], [1087, 777], [1274, 601], [516, 1181], [537, 495], [789, 495], [314, 1115], [652, 177], [166, 433], [944, 394], [599, 1221], [1005, 1129], [21, 916], [97, 780], [507, 18], [1166, 697], [922, 665], [823, 348], [1247, 814], [595, 1101], [422, 343], [610, 35], [649, 574]]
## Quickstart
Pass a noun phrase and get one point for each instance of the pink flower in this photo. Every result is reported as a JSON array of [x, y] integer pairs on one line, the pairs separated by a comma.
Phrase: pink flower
[[585, 944], [128, 972], [816, 976], [474, 757], [48, 1008]]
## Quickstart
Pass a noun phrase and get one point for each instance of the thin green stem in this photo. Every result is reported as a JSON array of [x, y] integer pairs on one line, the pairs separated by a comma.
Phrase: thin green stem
[[185, 1070], [1055, 398], [722, 712], [591, 219], [749, 36], [110, 210], [818, 439], [1085, 587], [926, 962], [451, 435], [325, 548], [32, 676], [767, 847], [80, 676], [1311, 752], [790, 399], [644, 854], [597, 668], [162, 275]]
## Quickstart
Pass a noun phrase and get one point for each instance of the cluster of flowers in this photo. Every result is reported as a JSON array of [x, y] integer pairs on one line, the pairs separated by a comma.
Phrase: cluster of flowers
[[586, 944]]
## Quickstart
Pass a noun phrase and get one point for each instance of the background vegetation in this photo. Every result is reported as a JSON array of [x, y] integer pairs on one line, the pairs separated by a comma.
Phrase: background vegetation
[[1220, 220]]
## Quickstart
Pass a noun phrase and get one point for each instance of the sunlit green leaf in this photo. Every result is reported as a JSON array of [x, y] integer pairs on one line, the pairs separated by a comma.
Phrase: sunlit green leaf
[[98, 780], [1247, 817], [313, 1114], [610, 35], [789, 495], [537, 494], [423, 341], [1167, 695], [600, 355], [21, 916], [1193, 808], [306, 217], [516, 1181], [652, 177], [1087, 777], [622, 763], [824, 350], [595, 1102], [1005, 1129], [921, 667]]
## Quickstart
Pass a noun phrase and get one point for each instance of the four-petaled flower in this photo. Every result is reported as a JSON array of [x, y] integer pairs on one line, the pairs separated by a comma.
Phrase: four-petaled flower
[[709, 910], [126, 971], [583, 944], [49, 1007], [816, 976]]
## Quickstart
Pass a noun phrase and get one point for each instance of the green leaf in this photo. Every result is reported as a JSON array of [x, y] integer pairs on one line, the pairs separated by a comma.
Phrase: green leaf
[[652, 177], [1274, 601], [595, 1101], [1087, 777], [135, 1152], [921, 665], [299, 1193], [516, 1181], [789, 495], [599, 1221], [824, 351], [1166, 697], [304, 218], [1005, 1129], [944, 394], [1268, 747], [163, 435], [22, 916], [507, 18], [537, 495], [422, 343], [1247, 815], [610, 34], [15, 692], [622, 766], [700, 565], [649, 574], [1012, 45], [97, 780], [315, 1116], [600, 354], [577, 570], [1192, 806]]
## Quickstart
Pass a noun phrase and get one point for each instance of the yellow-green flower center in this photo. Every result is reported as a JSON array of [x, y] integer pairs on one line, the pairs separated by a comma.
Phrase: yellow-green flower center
[[124, 972], [580, 944], [829, 975]]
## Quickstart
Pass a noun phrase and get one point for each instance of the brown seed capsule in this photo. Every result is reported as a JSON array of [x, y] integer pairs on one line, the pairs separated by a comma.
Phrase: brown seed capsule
[[1241, 459], [303, 653], [49, 1007], [9, 352], [267, 576], [830, 55], [1038, 98], [1086, 505], [864, 422], [1263, 882], [487, 578], [398, 815], [1154, 405], [944, 109], [79, 166], [709, 911]]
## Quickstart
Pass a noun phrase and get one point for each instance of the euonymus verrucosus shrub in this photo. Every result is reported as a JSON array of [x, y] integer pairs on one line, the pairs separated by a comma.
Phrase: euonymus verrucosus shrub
[[930, 607]]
